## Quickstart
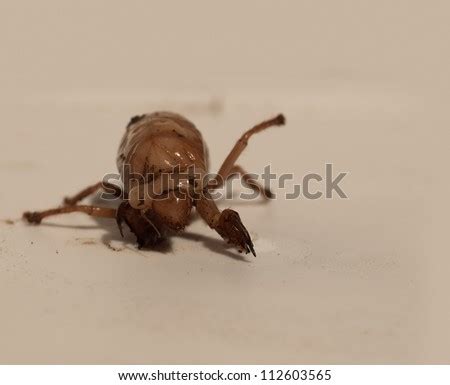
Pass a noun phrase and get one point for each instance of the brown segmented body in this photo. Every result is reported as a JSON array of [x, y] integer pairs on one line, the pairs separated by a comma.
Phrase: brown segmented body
[[159, 142]]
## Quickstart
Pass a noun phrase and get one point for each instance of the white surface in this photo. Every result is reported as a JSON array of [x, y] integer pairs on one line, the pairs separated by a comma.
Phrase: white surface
[[361, 280]]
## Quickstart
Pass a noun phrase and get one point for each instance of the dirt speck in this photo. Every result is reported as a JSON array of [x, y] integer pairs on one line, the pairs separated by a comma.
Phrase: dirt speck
[[8, 221], [113, 248], [86, 241]]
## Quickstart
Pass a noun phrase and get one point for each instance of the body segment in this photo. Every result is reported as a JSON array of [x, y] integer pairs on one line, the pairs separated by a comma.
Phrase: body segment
[[158, 143]]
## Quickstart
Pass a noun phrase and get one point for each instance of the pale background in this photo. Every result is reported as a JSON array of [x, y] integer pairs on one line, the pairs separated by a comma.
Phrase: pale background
[[364, 85]]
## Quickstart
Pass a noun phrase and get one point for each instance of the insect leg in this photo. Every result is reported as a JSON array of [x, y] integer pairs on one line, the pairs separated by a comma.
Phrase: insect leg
[[241, 144], [248, 181], [71, 201], [227, 223], [95, 211]]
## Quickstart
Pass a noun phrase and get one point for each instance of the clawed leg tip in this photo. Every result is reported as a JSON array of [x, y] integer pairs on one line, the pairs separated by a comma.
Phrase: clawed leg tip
[[233, 231], [32, 217], [249, 248], [280, 120]]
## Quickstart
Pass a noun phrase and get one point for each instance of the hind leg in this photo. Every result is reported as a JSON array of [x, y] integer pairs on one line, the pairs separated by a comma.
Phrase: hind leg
[[242, 143], [95, 211], [71, 201], [248, 181], [229, 166]]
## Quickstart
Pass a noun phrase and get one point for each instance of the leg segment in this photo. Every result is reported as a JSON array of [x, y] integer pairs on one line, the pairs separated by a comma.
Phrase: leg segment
[[95, 211], [241, 144], [248, 181], [71, 201], [227, 223]]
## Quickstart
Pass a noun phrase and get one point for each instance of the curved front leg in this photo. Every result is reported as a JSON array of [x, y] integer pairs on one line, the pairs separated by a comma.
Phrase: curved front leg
[[227, 223]]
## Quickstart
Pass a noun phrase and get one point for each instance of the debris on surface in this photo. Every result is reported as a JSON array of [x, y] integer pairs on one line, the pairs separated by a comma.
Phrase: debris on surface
[[113, 246], [86, 241]]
